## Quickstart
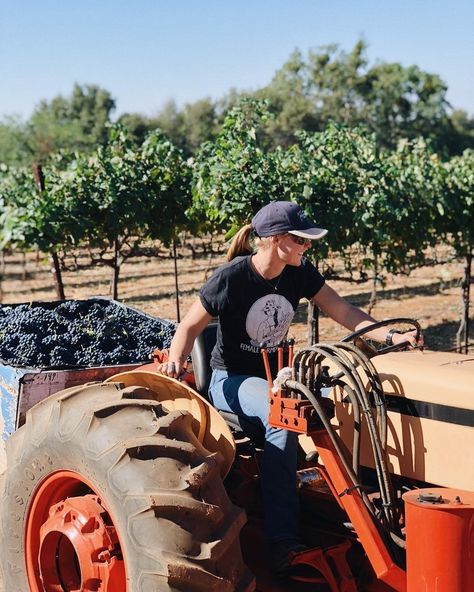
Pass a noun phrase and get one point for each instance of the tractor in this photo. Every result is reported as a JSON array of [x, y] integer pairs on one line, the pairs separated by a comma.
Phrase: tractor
[[130, 481]]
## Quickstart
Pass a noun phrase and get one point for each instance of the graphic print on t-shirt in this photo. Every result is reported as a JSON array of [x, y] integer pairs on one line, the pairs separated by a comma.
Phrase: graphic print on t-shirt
[[269, 319]]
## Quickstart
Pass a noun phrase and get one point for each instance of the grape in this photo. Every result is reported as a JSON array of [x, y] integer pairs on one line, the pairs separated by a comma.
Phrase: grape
[[79, 333]]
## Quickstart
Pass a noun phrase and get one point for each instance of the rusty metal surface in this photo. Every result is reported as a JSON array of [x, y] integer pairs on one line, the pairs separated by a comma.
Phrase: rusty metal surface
[[22, 388], [34, 387]]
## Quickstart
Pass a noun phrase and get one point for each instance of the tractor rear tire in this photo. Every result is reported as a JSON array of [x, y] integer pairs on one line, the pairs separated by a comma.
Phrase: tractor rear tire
[[134, 473]]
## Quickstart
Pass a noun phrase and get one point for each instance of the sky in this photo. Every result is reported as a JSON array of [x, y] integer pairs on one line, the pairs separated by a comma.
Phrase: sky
[[147, 52]]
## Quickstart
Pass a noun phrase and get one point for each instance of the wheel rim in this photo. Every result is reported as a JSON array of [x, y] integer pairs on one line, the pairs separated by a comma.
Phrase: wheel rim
[[71, 542]]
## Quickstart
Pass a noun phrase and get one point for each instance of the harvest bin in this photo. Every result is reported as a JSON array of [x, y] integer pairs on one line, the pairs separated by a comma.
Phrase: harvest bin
[[23, 387]]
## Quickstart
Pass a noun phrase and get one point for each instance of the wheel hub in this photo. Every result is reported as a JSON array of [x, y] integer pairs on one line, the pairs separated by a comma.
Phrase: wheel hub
[[78, 546]]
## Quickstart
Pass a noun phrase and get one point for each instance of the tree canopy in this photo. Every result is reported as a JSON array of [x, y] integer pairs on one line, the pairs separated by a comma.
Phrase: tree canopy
[[308, 92], [331, 85], [74, 123]]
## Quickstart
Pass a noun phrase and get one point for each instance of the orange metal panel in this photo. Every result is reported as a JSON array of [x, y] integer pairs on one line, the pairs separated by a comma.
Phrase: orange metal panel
[[369, 536], [440, 540]]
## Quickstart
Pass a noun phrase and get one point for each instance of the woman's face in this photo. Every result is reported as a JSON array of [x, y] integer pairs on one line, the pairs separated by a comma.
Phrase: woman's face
[[290, 250]]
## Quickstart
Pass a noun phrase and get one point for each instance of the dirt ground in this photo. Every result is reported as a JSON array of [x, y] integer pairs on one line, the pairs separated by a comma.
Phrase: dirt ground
[[429, 294]]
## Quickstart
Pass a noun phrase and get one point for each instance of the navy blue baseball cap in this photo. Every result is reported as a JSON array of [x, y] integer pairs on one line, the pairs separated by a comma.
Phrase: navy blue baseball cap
[[280, 217]]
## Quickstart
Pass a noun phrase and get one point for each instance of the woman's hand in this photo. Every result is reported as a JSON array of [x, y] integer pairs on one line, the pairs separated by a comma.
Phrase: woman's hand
[[409, 338], [188, 329], [172, 369]]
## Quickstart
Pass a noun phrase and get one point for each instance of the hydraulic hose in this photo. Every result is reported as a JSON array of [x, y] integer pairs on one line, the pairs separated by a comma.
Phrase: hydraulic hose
[[311, 358], [307, 368], [378, 447], [380, 435], [306, 392]]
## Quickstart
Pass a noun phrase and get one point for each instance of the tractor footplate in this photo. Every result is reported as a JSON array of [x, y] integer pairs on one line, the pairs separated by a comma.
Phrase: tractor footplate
[[331, 565]]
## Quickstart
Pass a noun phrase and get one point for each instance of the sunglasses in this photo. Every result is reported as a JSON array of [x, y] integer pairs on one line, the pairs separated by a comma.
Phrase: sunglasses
[[299, 240]]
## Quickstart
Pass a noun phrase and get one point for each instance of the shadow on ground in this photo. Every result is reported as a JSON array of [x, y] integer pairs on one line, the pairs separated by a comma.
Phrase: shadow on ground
[[443, 336]]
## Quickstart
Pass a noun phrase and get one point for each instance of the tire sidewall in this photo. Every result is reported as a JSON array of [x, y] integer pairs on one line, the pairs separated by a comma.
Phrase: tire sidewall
[[22, 483]]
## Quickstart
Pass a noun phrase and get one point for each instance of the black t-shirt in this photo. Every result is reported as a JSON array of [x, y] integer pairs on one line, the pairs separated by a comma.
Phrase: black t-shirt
[[251, 310]]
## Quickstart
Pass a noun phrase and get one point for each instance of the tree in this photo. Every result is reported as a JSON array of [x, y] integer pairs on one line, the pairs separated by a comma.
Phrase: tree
[[75, 123], [36, 215], [14, 150], [189, 127], [289, 100], [92, 106], [129, 193], [403, 102], [413, 179], [395, 218], [138, 125], [328, 171], [458, 135], [199, 124], [456, 223], [331, 85], [111, 199], [334, 78], [235, 175], [169, 187], [170, 121], [377, 201]]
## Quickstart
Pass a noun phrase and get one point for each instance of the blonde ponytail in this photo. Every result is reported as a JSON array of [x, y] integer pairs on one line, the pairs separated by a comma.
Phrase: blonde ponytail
[[241, 243]]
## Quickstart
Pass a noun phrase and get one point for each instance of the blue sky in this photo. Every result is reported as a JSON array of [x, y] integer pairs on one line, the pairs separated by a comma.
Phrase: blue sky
[[146, 52]]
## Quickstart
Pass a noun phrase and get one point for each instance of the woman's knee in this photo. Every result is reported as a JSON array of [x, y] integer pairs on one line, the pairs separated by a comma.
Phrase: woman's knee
[[282, 439]]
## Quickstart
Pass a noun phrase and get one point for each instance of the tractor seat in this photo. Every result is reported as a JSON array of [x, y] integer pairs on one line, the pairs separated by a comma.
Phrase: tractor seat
[[201, 358]]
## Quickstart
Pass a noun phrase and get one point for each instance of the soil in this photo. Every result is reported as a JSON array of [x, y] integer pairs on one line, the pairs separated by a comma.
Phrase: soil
[[429, 294]]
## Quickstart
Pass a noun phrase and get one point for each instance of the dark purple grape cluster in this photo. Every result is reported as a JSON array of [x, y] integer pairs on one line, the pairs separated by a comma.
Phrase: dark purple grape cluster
[[95, 332]]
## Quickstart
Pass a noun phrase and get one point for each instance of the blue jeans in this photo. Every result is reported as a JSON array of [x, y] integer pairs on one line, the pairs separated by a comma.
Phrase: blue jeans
[[248, 396]]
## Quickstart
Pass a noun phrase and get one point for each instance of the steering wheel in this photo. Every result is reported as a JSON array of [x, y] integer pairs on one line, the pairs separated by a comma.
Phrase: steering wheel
[[372, 348]]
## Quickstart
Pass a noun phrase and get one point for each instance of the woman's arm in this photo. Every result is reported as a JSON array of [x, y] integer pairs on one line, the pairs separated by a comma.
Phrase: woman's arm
[[353, 318], [194, 322]]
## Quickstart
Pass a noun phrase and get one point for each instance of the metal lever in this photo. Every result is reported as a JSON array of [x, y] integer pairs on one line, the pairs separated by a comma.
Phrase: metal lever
[[266, 363]]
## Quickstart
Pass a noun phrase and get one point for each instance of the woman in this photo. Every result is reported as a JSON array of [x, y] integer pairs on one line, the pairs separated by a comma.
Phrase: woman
[[255, 296]]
